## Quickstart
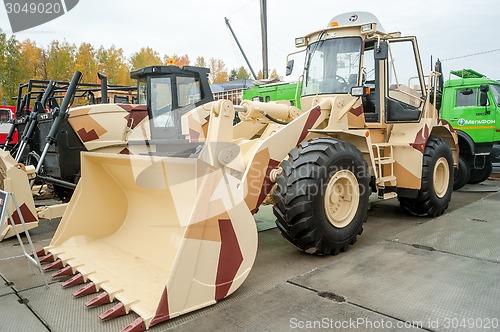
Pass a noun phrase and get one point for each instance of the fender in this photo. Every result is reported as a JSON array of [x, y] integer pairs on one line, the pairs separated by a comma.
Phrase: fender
[[466, 143]]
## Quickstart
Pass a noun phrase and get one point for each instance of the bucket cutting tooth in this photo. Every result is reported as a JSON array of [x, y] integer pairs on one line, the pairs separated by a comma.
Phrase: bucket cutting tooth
[[58, 264], [77, 279], [89, 288], [66, 271], [102, 298], [47, 258], [39, 253], [137, 325], [117, 311]]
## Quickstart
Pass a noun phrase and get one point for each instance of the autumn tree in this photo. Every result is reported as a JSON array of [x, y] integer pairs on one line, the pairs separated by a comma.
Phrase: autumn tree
[[200, 62], [112, 62], [178, 60], [61, 60], [274, 74], [218, 71], [10, 68], [86, 62], [145, 57], [32, 61]]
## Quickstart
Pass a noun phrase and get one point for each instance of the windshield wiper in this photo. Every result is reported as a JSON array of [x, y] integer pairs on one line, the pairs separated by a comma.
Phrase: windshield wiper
[[314, 49]]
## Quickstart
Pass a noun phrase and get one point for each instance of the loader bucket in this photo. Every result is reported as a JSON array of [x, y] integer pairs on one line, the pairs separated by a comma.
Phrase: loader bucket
[[163, 236], [14, 179]]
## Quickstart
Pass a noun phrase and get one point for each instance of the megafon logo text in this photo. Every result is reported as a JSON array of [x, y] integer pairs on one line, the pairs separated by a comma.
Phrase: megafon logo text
[[463, 122], [26, 14]]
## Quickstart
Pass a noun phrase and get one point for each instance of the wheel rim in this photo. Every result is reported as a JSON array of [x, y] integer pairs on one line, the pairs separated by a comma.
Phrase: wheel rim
[[341, 198], [441, 177]]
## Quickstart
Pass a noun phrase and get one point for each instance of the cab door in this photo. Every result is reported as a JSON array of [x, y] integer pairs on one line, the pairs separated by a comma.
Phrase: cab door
[[494, 92], [470, 116]]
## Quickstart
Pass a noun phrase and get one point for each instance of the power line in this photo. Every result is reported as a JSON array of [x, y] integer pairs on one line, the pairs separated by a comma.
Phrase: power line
[[469, 55], [237, 10]]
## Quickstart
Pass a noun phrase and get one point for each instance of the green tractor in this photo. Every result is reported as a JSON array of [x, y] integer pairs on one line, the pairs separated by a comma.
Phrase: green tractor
[[471, 104]]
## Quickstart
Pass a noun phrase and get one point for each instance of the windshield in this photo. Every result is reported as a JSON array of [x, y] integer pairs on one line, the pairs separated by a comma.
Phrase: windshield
[[161, 102], [332, 66], [495, 90]]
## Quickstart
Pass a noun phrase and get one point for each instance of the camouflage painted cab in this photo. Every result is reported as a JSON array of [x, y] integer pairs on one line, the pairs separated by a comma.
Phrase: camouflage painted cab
[[165, 94]]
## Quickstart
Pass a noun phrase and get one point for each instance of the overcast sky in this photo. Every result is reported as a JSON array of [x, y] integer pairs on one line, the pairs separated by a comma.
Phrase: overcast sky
[[444, 28]]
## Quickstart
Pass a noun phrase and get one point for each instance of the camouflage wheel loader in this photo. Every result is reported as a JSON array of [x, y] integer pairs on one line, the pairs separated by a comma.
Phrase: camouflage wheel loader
[[164, 234], [56, 139]]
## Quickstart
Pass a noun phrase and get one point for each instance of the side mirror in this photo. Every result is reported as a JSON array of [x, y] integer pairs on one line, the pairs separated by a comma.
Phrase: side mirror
[[289, 67], [381, 50], [483, 94], [483, 98]]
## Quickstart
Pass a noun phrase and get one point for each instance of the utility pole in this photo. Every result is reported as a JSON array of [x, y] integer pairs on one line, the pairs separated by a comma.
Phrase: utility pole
[[263, 23]]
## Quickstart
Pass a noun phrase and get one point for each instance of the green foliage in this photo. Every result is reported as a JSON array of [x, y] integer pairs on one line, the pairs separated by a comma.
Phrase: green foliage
[[86, 62], [233, 75], [112, 62], [242, 73], [145, 57], [61, 60], [10, 67], [200, 62]]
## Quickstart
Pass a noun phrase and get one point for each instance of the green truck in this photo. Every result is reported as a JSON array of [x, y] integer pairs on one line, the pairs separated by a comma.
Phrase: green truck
[[275, 91], [471, 104]]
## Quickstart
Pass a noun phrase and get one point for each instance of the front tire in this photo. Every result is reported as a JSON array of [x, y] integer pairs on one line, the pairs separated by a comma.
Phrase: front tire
[[321, 199], [437, 181]]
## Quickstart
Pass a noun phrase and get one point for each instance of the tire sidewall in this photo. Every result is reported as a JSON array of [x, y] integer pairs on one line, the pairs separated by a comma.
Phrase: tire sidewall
[[442, 150], [342, 161]]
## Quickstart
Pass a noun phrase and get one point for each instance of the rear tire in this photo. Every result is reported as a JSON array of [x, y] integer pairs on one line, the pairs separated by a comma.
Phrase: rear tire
[[482, 174], [321, 199], [462, 174], [437, 181]]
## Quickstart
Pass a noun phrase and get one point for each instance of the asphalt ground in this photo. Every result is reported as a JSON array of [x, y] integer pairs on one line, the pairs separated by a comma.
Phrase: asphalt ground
[[404, 273]]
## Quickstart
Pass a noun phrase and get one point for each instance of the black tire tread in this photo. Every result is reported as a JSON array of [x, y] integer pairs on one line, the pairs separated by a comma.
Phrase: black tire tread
[[426, 204], [293, 207]]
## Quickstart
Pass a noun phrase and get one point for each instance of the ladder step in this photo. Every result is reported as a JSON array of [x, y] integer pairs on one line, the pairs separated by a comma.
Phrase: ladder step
[[384, 161], [388, 178], [390, 195]]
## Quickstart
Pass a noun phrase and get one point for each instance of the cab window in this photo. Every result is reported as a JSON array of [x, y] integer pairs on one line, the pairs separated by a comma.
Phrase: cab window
[[188, 90], [5, 115], [466, 98]]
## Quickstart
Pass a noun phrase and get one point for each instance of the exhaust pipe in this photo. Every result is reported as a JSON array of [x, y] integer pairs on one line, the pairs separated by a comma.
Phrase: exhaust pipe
[[104, 88]]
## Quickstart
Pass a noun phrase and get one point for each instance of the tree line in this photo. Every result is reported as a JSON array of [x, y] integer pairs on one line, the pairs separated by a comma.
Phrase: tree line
[[24, 60]]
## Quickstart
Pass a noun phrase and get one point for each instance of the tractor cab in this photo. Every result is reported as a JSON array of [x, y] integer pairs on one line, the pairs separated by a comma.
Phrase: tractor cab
[[169, 92], [354, 57]]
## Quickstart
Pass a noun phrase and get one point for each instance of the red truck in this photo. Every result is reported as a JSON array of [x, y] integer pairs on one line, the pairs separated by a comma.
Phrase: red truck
[[7, 113]]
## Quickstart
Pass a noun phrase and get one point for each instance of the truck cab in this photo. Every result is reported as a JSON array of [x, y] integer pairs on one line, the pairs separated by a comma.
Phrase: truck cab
[[471, 104]]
